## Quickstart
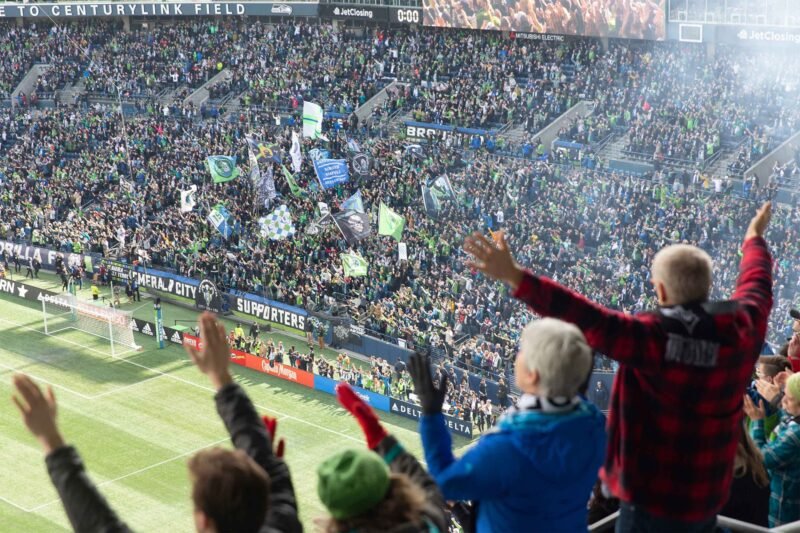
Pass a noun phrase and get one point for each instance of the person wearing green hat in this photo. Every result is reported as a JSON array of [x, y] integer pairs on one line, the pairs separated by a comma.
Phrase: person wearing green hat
[[383, 488], [782, 455]]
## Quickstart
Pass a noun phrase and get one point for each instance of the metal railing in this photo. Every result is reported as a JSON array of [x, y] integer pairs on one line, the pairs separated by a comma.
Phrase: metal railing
[[731, 524]]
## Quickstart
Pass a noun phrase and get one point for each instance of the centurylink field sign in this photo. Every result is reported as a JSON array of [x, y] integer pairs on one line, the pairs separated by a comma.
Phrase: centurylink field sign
[[157, 9]]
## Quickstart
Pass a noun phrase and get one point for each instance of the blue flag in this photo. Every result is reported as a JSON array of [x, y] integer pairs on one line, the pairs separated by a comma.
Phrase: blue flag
[[218, 217], [355, 202], [331, 172]]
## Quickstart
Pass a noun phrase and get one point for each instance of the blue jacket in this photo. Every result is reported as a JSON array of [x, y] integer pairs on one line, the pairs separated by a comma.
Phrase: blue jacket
[[534, 472]]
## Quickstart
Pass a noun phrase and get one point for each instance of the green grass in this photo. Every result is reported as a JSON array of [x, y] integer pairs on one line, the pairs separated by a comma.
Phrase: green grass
[[137, 419]]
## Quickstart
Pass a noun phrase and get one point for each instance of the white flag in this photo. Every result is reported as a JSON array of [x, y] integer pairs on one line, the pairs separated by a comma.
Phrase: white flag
[[188, 199], [402, 252], [297, 156], [312, 120]]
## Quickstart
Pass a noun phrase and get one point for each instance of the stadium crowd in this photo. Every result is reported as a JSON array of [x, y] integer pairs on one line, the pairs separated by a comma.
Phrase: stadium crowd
[[80, 179]]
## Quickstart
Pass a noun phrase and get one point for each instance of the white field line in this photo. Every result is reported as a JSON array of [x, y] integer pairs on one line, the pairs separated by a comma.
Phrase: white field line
[[193, 384], [145, 469]]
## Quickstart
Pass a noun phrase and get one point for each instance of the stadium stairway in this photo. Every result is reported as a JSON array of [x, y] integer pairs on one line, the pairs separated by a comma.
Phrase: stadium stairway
[[28, 83], [71, 93], [201, 94], [614, 149], [365, 111]]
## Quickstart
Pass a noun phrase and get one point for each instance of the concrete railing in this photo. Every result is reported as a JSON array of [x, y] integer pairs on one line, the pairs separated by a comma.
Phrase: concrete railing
[[201, 94], [549, 134], [782, 154]]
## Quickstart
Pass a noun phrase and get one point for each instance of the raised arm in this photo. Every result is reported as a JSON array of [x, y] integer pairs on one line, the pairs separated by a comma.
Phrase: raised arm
[[247, 430], [754, 286], [86, 508]]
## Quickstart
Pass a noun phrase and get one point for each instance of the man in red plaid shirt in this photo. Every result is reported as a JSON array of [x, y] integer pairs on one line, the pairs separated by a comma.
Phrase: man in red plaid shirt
[[676, 403]]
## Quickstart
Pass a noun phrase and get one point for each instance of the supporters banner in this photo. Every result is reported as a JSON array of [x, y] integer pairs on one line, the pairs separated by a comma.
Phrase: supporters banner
[[331, 172], [45, 256], [276, 312], [409, 410], [596, 18], [404, 15], [158, 9]]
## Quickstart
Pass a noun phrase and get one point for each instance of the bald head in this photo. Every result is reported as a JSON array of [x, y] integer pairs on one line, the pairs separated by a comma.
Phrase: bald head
[[682, 274]]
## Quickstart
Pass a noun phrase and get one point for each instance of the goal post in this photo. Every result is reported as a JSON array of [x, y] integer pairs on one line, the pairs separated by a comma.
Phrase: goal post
[[67, 312]]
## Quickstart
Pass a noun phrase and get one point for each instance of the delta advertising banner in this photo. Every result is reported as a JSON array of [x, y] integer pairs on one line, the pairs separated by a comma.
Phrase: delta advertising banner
[[626, 19], [156, 9], [410, 410]]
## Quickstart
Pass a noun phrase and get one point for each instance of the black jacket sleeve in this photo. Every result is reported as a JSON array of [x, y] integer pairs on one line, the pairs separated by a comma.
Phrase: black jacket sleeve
[[249, 434], [402, 462], [87, 509]]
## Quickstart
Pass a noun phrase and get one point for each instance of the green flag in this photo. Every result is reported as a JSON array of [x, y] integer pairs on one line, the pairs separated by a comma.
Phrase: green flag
[[222, 168], [296, 189], [354, 265], [390, 223]]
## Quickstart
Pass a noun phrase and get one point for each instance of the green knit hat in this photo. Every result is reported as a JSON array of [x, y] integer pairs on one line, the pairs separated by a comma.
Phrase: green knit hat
[[352, 482]]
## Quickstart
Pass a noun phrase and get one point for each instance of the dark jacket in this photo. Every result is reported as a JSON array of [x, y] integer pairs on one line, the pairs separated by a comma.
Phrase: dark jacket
[[402, 462], [88, 510], [248, 433]]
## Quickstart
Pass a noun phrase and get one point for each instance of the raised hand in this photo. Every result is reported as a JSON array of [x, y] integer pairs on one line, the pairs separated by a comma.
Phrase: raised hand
[[431, 398], [493, 258], [759, 223], [752, 411], [768, 390], [214, 358], [366, 417], [38, 412]]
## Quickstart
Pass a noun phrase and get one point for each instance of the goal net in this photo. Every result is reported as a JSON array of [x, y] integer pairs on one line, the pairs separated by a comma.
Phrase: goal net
[[67, 312]]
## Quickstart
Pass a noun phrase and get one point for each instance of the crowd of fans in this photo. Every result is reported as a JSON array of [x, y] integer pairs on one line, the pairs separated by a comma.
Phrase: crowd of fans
[[81, 179]]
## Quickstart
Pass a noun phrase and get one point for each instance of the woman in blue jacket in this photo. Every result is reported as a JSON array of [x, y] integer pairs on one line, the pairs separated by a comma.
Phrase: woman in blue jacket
[[536, 469]]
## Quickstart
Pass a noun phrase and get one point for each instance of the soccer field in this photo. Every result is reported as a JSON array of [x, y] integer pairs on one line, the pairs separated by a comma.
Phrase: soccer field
[[138, 418]]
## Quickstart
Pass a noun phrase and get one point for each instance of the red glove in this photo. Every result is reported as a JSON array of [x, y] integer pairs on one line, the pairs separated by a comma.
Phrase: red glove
[[272, 426], [366, 417]]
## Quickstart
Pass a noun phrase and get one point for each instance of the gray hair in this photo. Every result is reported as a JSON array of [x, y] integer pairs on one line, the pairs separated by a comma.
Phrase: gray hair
[[685, 271], [559, 353]]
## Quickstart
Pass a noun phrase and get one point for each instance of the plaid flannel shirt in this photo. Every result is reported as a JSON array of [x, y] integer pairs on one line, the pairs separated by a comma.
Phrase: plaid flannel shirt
[[672, 426], [782, 460]]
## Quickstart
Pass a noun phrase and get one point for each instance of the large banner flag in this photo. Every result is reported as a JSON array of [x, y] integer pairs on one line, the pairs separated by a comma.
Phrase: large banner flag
[[218, 217], [315, 154], [355, 202], [360, 163], [296, 155], [431, 201], [354, 265], [414, 151], [442, 188], [222, 168], [293, 186], [312, 120], [277, 225], [265, 188], [331, 172], [390, 223], [188, 200], [353, 225], [264, 152]]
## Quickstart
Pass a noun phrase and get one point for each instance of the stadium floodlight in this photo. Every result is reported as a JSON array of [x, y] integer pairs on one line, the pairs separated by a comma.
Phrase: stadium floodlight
[[65, 312]]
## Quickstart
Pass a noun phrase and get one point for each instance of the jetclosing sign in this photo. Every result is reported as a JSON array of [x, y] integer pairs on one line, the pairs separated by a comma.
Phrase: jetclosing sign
[[156, 9]]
